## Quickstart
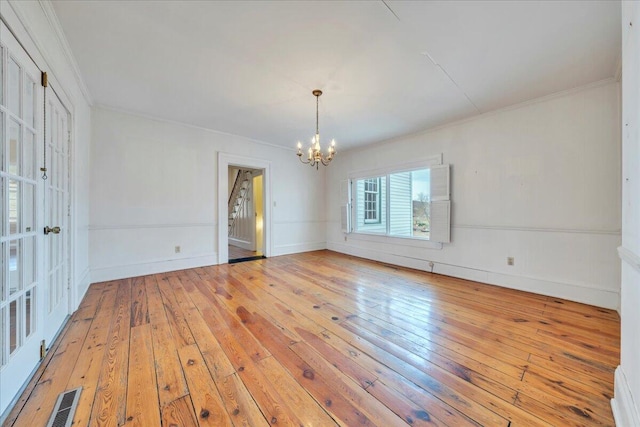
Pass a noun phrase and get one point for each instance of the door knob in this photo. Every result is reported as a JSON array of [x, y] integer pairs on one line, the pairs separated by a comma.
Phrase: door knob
[[54, 230]]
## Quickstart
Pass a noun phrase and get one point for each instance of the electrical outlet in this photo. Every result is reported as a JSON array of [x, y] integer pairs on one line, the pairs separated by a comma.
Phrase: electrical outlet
[[510, 260], [177, 249]]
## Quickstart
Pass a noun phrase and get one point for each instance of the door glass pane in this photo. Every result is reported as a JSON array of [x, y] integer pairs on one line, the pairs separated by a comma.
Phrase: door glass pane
[[61, 171], [29, 100], [28, 212], [28, 260], [55, 130], [1, 71], [14, 206], [13, 326], [60, 285], [4, 291], [29, 310], [13, 98], [14, 266], [53, 181], [3, 209], [2, 151], [15, 147], [29, 158], [52, 290], [4, 338]]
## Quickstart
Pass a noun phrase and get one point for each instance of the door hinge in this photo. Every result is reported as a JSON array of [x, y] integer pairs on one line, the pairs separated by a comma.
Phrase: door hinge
[[43, 349], [44, 79]]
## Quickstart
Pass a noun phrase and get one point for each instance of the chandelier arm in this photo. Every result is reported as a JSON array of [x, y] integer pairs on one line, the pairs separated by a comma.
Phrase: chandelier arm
[[325, 162], [302, 161]]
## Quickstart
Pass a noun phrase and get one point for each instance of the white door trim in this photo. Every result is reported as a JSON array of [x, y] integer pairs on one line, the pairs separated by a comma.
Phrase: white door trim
[[224, 161]]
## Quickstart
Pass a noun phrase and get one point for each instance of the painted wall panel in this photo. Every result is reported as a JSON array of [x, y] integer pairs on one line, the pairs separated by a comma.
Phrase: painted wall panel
[[158, 179], [539, 182]]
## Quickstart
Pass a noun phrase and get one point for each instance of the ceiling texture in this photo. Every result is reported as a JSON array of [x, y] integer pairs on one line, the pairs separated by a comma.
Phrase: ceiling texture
[[387, 68]]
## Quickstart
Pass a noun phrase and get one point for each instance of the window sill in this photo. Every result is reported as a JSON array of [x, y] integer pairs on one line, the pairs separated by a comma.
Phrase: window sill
[[395, 240]]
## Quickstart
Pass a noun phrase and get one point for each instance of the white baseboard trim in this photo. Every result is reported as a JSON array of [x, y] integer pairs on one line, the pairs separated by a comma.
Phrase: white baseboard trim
[[82, 286], [298, 247], [625, 411], [249, 246], [583, 294], [161, 266]]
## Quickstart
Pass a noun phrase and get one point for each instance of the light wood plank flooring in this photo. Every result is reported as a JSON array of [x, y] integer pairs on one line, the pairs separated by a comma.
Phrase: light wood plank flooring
[[323, 339]]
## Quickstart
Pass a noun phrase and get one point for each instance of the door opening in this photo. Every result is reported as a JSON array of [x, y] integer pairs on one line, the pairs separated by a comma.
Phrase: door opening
[[246, 213]]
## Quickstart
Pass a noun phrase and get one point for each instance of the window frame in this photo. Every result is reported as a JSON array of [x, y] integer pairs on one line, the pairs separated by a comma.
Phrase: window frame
[[378, 173]]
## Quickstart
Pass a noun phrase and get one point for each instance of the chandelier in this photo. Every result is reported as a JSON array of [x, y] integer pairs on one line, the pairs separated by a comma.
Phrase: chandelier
[[315, 156]]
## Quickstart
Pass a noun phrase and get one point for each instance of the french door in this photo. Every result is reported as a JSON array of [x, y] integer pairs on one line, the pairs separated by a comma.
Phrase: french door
[[34, 273]]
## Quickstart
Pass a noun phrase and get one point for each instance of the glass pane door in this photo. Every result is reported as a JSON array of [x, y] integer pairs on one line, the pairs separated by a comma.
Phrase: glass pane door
[[21, 329]]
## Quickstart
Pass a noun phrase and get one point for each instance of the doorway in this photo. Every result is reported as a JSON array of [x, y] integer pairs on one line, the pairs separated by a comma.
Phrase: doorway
[[246, 214], [244, 195]]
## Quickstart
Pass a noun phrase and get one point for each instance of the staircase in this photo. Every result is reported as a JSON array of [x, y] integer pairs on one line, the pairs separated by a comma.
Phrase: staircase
[[238, 197]]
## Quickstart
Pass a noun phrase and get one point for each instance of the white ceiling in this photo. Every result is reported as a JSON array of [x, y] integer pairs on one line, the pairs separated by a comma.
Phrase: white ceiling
[[386, 68]]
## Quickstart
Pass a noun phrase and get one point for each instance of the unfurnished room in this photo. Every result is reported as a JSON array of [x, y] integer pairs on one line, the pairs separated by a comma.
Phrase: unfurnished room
[[319, 213]]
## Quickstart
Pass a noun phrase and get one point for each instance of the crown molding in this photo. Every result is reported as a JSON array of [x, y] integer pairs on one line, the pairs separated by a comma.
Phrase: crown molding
[[52, 18]]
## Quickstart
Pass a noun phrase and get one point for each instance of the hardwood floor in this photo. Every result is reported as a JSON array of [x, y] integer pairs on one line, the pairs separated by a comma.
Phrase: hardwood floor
[[323, 339]]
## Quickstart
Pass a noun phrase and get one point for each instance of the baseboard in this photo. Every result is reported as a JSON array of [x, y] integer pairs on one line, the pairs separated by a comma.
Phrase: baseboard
[[161, 266], [249, 246], [298, 247], [583, 294], [625, 411], [82, 286]]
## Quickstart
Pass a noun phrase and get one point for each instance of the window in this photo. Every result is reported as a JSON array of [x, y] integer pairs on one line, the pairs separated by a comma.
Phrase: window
[[372, 200], [401, 204]]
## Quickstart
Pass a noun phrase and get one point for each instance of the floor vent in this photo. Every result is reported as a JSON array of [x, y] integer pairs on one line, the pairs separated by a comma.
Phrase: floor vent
[[65, 408]]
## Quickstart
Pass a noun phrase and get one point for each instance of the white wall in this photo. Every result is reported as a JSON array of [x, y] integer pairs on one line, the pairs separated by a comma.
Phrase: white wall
[[539, 182], [626, 404], [38, 29], [154, 187]]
